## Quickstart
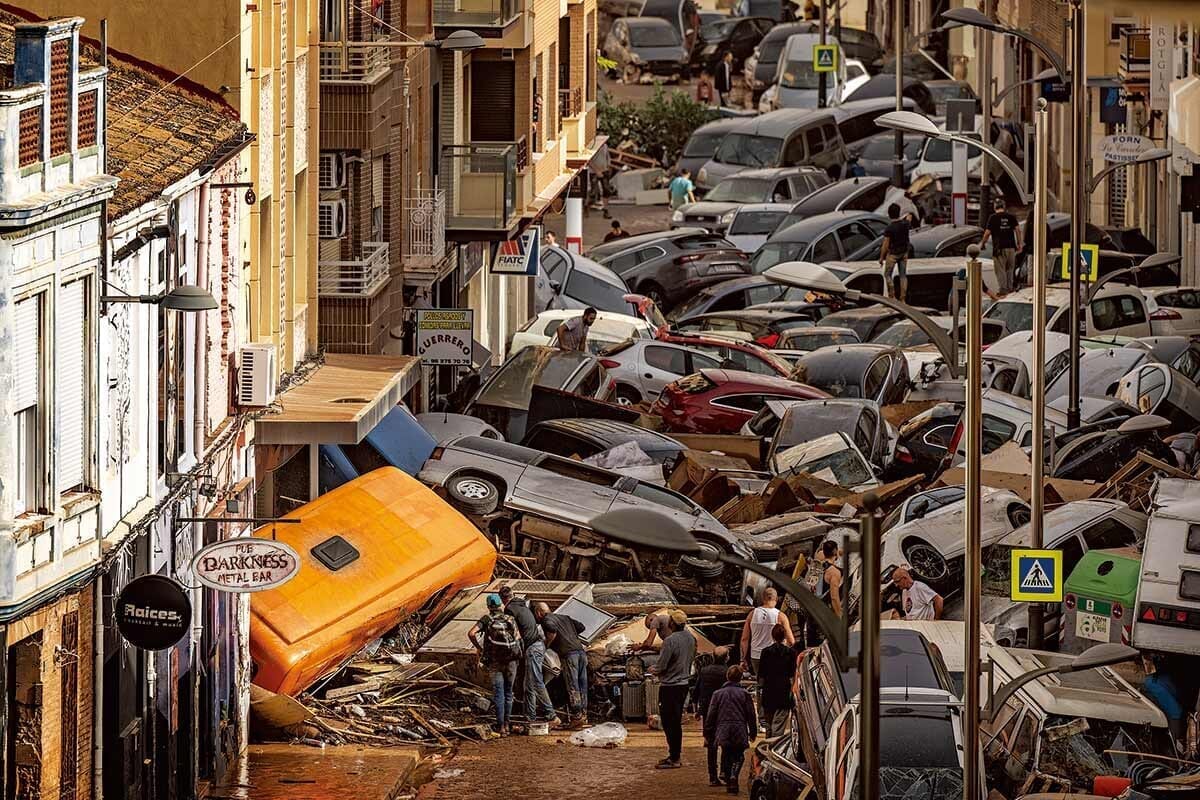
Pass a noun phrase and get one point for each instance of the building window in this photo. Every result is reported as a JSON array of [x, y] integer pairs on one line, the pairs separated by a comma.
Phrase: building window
[[71, 343], [31, 136], [27, 396], [60, 97], [89, 102]]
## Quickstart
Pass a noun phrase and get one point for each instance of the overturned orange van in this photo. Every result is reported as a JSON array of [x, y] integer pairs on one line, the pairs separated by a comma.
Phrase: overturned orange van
[[372, 552]]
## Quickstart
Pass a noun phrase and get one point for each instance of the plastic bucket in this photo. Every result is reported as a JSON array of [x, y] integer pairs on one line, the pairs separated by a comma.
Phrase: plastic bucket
[[539, 729]]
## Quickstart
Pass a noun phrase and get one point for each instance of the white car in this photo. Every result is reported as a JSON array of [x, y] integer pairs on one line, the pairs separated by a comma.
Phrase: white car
[[608, 329], [937, 158], [751, 224], [1178, 310], [833, 458], [1120, 310], [927, 531]]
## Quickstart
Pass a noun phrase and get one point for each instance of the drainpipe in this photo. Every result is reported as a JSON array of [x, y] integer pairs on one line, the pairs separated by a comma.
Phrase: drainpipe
[[200, 408], [98, 689]]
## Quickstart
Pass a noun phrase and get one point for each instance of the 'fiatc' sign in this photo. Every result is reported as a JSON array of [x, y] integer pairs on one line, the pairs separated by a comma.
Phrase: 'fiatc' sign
[[245, 565], [445, 336]]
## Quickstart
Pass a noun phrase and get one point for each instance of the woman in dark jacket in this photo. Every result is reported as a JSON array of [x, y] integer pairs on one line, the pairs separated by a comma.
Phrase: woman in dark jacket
[[731, 724]]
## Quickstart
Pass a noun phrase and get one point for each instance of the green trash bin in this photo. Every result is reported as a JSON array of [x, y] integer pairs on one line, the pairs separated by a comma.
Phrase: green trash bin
[[1098, 599]]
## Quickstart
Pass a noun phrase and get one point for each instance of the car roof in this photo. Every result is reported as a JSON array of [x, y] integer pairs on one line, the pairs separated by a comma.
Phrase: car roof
[[717, 125], [906, 663], [773, 172], [1060, 521], [827, 330], [806, 230], [1165, 348], [784, 121], [839, 191], [606, 249], [851, 355], [790, 28], [610, 429], [647, 22], [745, 207], [933, 235], [776, 382], [752, 313]]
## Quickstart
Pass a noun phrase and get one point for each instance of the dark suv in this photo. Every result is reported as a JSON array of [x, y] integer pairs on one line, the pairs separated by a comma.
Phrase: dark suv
[[672, 267]]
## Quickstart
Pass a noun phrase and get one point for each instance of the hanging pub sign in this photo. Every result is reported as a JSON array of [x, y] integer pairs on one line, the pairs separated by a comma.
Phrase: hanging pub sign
[[153, 612], [245, 565]]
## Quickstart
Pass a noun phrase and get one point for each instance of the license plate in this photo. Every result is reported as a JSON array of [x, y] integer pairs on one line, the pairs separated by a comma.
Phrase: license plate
[[1091, 626], [725, 268]]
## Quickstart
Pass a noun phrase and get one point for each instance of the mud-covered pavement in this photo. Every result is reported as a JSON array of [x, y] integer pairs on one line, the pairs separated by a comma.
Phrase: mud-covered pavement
[[547, 768]]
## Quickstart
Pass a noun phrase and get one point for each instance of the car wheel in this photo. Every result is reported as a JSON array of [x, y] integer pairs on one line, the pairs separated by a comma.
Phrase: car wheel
[[655, 293], [926, 562], [1018, 515], [627, 395], [473, 494]]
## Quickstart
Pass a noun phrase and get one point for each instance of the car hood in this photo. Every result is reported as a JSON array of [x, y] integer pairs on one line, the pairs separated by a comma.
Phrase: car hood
[[708, 208], [795, 98], [670, 53]]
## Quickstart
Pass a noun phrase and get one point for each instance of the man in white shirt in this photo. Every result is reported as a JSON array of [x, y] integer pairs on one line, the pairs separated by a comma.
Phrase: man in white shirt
[[919, 601]]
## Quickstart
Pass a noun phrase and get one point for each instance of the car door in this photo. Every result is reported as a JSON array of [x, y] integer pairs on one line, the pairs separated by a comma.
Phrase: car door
[[551, 277], [564, 489], [659, 364]]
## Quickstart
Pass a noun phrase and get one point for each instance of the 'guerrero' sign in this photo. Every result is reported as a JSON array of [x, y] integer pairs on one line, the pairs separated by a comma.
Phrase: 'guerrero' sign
[[445, 336], [1123, 147], [245, 565], [153, 612]]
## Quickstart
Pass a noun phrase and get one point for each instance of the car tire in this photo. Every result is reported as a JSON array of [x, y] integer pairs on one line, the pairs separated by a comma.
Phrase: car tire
[[925, 562], [1018, 515], [627, 395], [655, 293], [473, 495]]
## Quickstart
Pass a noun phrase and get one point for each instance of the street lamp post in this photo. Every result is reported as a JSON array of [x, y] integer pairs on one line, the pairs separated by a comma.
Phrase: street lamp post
[[1079, 204], [972, 522], [1037, 481], [822, 81], [898, 39]]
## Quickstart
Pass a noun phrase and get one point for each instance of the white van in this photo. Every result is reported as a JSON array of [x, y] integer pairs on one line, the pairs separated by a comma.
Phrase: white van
[[1168, 598], [796, 82]]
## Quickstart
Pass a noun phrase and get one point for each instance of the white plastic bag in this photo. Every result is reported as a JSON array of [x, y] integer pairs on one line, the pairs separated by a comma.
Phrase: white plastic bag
[[606, 734], [618, 645]]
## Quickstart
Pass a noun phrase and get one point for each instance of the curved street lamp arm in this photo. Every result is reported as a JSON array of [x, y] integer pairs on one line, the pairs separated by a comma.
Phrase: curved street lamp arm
[[997, 700], [833, 626], [1007, 164], [1046, 50], [941, 340]]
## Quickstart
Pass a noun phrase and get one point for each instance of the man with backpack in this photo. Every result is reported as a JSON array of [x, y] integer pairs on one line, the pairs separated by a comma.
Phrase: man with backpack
[[562, 634], [538, 707], [500, 649]]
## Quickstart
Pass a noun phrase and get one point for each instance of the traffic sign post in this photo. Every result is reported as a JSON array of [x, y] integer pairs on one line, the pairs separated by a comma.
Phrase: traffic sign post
[[1036, 576], [1091, 261], [825, 57]]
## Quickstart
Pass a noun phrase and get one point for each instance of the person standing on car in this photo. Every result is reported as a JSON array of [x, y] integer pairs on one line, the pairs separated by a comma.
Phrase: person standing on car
[[562, 634], [731, 725], [1001, 228], [681, 189], [777, 669], [894, 254], [918, 600], [538, 707], [674, 671], [724, 80], [572, 333], [500, 649]]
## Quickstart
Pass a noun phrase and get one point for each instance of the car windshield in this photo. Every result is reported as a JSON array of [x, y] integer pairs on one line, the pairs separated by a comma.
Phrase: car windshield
[[694, 303], [799, 75], [815, 339], [903, 334], [756, 222], [770, 48], [1015, 314], [654, 36], [939, 150], [844, 467], [749, 150], [741, 190], [702, 145], [512, 384], [591, 291], [917, 783], [773, 253], [881, 148], [812, 420]]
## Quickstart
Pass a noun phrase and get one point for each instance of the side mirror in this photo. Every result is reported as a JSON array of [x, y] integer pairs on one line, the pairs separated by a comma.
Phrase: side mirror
[[556, 286]]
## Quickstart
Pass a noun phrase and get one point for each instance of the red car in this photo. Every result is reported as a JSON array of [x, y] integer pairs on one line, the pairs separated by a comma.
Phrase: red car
[[722, 400], [739, 355]]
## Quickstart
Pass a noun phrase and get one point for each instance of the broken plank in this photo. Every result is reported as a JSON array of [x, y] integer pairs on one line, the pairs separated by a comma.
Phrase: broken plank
[[425, 724]]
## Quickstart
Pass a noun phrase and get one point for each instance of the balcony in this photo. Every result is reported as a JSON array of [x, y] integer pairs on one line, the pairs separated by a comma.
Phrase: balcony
[[1135, 55], [570, 102], [481, 180], [476, 13], [360, 63], [361, 278], [425, 244]]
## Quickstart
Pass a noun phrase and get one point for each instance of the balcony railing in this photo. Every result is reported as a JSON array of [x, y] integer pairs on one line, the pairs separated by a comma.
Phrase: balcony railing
[[1135, 54], [362, 278], [570, 101], [483, 184], [354, 63], [426, 240], [476, 13]]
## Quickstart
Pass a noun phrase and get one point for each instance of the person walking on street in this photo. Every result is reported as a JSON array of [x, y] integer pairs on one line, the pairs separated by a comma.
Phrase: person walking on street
[[1001, 228], [724, 81], [894, 254], [918, 600], [674, 670], [731, 725], [709, 678], [562, 634], [500, 649], [777, 669], [616, 233], [681, 189], [538, 707], [704, 89], [572, 334]]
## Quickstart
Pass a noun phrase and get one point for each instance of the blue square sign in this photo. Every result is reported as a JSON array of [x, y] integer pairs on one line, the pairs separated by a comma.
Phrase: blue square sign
[[1037, 576]]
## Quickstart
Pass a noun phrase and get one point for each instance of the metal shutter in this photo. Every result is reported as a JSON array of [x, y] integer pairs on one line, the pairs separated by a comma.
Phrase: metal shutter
[[70, 391], [27, 341], [493, 109]]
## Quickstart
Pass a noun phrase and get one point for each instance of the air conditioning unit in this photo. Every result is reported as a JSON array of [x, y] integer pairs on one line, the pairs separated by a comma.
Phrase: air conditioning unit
[[332, 173], [256, 375], [331, 219]]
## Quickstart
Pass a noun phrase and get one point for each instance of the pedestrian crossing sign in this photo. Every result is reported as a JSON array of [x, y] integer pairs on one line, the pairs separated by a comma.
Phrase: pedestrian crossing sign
[[825, 57], [1090, 257], [1037, 576]]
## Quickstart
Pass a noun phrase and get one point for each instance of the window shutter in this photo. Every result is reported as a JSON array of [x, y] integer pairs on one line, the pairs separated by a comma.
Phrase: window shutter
[[27, 346], [71, 383]]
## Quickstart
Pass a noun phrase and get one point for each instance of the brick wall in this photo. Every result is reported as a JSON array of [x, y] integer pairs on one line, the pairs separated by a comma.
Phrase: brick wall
[[579, 54]]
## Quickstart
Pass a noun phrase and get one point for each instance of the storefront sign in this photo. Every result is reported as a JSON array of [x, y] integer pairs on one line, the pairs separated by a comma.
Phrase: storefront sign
[[444, 336], [1113, 105], [519, 256], [245, 565], [1162, 63], [1121, 148], [153, 612]]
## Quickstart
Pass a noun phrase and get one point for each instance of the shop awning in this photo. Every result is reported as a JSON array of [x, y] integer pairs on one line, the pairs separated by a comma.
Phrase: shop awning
[[341, 402]]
